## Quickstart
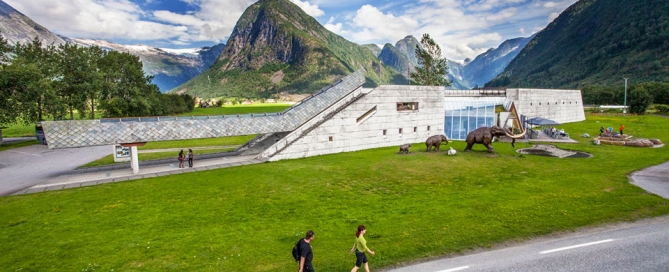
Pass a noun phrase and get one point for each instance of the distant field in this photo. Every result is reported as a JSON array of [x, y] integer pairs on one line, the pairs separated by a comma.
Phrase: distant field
[[241, 109], [416, 206], [19, 130]]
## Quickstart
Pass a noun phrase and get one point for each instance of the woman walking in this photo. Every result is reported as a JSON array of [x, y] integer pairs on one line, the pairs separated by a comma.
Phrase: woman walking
[[181, 159], [360, 247]]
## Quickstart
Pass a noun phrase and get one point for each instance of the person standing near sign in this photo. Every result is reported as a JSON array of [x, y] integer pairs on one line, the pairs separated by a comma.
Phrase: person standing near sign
[[190, 158], [181, 159]]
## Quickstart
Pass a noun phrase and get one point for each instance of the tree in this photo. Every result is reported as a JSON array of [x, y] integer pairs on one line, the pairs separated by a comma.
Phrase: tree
[[81, 78], [29, 79], [640, 99], [432, 67], [125, 89]]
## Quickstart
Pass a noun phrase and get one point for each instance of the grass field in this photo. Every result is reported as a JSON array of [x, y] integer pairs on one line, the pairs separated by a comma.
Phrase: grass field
[[6, 146], [415, 206]]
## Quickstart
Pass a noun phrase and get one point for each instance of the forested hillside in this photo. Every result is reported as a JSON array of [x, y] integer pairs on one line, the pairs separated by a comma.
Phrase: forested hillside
[[596, 42]]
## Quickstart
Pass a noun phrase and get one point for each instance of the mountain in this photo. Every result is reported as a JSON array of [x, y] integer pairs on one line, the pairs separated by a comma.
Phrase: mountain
[[18, 28], [392, 57], [455, 75], [596, 42], [376, 50], [170, 67], [491, 63], [402, 55], [408, 47], [276, 47]]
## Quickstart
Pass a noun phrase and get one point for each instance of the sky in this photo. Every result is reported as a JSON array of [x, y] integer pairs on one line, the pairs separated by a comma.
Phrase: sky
[[463, 28]]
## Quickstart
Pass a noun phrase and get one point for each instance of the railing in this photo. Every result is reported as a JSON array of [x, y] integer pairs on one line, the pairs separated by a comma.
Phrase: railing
[[309, 125], [478, 92]]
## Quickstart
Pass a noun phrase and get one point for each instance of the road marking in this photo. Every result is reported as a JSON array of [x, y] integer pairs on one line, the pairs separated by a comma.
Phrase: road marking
[[576, 246], [455, 269]]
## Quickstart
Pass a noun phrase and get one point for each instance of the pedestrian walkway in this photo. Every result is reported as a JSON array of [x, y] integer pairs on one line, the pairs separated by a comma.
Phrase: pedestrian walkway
[[74, 180], [654, 179]]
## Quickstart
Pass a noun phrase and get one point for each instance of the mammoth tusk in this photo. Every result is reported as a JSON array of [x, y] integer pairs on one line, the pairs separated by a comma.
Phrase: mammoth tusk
[[516, 136]]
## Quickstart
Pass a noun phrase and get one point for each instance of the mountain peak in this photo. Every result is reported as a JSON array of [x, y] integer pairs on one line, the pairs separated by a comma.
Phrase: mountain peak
[[281, 48]]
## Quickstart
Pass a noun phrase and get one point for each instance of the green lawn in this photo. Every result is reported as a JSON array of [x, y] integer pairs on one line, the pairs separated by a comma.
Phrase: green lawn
[[415, 206], [6, 146], [19, 130], [233, 140]]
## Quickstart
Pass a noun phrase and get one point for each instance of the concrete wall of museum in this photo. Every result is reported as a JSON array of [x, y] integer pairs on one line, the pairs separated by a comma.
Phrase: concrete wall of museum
[[562, 106], [349, 135]]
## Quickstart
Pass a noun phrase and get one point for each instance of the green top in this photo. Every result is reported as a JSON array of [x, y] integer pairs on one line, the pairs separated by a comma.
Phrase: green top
[[361, 244]]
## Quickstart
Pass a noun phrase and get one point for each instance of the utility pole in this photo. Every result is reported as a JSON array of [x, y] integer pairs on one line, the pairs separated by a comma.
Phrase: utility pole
[[409, 74], [625, 101]]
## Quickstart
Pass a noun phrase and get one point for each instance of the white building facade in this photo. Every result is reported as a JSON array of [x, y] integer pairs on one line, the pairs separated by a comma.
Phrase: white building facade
[[396, 115]]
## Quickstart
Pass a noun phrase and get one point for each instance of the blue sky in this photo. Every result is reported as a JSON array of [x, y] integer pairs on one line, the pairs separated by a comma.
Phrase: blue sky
[[463, 28]]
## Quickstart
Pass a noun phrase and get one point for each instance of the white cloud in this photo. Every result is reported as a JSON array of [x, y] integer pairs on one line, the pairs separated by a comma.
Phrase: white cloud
[[122, 19], [376, 25], [552, 16], [310, 9]]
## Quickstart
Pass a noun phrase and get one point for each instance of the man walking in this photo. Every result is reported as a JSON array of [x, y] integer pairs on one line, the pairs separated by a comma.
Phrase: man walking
[[190, 158], [306, 252]]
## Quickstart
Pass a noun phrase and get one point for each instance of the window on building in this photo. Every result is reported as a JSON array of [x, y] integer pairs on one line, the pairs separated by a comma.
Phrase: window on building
[[415, 129], [366, 115], [407, 106], [330, 138], [428, 128], [400, 131], [384, 132], [539, 103]]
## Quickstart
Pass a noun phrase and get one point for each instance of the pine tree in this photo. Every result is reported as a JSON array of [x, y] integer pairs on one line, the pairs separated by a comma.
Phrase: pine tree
[[432, 67]]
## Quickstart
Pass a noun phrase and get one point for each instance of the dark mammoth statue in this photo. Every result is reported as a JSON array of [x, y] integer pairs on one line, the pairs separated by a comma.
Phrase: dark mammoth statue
[[404, 149], [435, 141], [484, 135]]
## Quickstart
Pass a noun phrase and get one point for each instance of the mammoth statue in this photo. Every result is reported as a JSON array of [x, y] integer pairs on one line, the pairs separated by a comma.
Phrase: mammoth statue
[[484, 135], [435, 141], [404, 149]]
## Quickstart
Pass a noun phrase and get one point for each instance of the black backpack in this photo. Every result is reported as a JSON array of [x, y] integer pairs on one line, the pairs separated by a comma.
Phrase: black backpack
[[296, 251]]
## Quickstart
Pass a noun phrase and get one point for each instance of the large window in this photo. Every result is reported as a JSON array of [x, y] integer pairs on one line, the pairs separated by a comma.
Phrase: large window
[[465, 116], [407, 106]]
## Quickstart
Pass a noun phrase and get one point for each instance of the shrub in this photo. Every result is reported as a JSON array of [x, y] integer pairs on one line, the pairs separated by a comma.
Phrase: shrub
[[640, 100], [661, 108]]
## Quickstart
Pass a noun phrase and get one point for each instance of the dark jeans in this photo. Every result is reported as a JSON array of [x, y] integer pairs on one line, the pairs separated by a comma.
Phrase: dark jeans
[[307, 267], [190, 162], [360, 258]]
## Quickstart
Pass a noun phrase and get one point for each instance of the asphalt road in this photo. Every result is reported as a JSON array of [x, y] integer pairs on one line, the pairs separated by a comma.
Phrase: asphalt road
[[640, 246], [24, 167]]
